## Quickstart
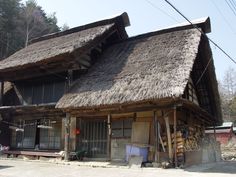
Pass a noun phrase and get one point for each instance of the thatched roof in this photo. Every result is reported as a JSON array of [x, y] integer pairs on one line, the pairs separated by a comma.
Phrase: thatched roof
[[45, 49], [139, 69], [144, 68]]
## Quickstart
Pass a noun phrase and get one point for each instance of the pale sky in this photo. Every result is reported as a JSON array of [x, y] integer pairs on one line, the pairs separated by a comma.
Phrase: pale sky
[[144, 18]]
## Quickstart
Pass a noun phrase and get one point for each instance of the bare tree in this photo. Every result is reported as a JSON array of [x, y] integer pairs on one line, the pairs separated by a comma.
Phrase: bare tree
[[229, 82], [33, 19], [65, 27], [227, 90]]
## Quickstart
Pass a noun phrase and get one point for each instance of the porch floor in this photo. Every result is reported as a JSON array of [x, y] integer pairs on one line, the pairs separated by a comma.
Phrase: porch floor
[[33, 153]]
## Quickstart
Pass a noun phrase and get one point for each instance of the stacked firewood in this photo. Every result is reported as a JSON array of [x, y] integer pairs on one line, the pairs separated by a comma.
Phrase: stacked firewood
[[187, 139], [180, 143], [192, 141]]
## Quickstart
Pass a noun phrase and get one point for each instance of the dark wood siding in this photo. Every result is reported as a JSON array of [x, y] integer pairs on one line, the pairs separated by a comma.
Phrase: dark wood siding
[[42, 92]]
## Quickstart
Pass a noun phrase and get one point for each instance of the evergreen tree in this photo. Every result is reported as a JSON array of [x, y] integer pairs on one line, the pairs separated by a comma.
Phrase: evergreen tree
[[20, 23]]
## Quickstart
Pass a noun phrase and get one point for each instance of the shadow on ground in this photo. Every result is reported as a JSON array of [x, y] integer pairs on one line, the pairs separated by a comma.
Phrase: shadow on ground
[[4, 166], [228, 167]]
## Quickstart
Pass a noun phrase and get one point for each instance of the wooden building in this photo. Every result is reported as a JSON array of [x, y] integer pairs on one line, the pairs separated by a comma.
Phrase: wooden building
[[151, 95], [156, 90], [41, 73]]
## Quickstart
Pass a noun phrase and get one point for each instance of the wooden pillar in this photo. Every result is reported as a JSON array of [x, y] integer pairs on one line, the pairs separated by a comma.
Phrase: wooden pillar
[[175, 143], [155, 135], [67, 137], [67, 120], [109, 137], [166, 118], [215, 132], [1, 93], [73, 134]]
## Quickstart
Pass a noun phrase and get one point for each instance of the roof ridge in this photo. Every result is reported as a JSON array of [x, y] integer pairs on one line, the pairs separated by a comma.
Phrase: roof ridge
[[122, 18]]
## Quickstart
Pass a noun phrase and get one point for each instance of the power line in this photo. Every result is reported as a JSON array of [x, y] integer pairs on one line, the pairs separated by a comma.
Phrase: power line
[[225, 19], [162, 11], [199, 79], [195, 26], [233, 4], [231, 7]]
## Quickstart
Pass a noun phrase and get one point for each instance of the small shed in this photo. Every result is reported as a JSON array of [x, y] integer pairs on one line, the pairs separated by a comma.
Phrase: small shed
[[223, 133]]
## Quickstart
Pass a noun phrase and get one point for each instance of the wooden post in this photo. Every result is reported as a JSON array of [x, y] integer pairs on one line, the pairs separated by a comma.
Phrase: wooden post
[[215, 132], [155, 134], [1, 93], [109, 137], [175, 144], [72, 134], [67, 137], [67, 121], [166, 118]]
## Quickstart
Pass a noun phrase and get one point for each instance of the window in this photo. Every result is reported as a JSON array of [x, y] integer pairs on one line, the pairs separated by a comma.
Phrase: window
[[29, 134], [121, 128], [190, 93], [50, 138]]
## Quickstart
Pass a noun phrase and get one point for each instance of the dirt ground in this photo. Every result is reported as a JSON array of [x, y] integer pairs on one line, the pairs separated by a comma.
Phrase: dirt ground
[[229, 151], [21, 168]]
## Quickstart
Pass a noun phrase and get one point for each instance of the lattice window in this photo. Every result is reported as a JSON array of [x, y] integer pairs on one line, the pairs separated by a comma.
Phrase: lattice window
[[29, 133], [122, 128], [50, 138]]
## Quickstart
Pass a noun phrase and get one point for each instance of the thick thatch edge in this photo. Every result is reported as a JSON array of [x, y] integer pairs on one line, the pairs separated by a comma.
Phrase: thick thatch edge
[[60, 57], [122, 19]]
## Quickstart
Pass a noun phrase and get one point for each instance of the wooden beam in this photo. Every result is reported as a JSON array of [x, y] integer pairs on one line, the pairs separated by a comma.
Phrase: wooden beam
[[175, 143], [120, 109], [156, 145], [159, 136], [109, 137], [1, 92], [215, 132], [20, 97], [166, 118], [67, 137]]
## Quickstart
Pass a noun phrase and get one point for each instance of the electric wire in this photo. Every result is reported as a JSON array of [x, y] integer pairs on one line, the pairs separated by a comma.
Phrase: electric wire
[[199, 79], [233, 4], [232, 9], [195, 26], [162, 11], [222, 15]]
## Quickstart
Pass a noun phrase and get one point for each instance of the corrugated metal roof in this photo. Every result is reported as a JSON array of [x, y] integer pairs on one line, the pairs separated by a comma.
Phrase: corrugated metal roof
[[227, 130]]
